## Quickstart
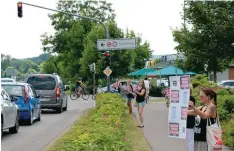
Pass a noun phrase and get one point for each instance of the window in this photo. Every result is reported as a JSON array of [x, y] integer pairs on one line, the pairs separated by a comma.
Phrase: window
[[42, 82], [14, 90], [32, 91]]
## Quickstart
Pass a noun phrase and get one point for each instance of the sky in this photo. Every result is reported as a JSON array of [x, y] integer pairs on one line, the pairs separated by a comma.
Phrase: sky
[[20, 37]]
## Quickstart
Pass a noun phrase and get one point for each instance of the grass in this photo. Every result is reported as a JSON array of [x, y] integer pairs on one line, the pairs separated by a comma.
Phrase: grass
[[136, 137], [133, 135]]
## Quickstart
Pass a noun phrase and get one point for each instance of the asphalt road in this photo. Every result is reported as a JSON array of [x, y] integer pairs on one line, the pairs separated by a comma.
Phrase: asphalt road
[[40, 134]]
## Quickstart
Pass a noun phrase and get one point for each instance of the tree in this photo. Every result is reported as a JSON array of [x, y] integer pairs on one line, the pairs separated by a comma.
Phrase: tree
[[49, 67], [208, 41], [68, 40], [6, 61], [75, 40]]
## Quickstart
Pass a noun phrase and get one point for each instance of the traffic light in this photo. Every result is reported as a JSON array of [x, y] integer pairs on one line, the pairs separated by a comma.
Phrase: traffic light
[[107, 58], [20, 11], [92, 67]]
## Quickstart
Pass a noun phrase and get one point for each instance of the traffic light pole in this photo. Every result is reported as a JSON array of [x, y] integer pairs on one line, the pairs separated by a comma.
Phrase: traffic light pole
[[84, 17], [71, 14]]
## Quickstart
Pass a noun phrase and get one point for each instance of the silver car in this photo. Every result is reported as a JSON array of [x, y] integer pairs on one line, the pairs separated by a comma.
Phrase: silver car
[[50, 89], [9, 113], [227, 83]]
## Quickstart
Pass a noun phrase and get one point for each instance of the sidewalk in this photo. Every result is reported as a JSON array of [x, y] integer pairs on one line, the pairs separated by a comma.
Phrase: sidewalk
[[156, 129]]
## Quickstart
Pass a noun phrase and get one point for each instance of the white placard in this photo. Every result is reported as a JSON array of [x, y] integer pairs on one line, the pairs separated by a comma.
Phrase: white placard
[[179, 98]]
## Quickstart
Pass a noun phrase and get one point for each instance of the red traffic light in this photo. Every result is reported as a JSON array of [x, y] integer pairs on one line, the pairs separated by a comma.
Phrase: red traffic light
[[107, 54], [19, 4]]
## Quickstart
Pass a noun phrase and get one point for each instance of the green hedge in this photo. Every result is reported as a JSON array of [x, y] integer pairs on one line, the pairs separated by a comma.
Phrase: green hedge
[[156, 91], [102, 130]]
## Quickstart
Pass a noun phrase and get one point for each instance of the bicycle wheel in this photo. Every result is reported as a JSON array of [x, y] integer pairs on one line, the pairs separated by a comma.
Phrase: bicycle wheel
[[73, 95], [85, 94]]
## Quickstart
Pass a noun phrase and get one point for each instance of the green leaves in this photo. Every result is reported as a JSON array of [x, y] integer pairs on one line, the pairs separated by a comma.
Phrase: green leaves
[[209, 40]]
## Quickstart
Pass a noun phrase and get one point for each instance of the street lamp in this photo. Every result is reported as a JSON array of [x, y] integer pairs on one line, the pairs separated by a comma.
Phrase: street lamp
[[159, 68], [232, 44]]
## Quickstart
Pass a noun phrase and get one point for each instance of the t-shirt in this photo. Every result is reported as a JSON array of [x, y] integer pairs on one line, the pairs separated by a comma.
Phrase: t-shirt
[[191, 119], [146, 82]]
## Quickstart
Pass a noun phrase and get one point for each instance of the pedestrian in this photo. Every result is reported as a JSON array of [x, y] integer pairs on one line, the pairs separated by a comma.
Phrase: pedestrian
[[117, 85], [140, 101], [208, 111], [130, 95], [190, 124], [147, 87]]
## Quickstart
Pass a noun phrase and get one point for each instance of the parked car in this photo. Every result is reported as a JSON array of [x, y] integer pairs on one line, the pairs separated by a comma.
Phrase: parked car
[[227, 83], [50, 89], [7, 80], [9, 113], [27, 100]]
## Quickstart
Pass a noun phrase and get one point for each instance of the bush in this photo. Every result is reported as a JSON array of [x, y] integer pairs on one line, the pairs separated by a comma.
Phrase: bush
[[228, 135], [101, 129], [156, 91], [225, 106]]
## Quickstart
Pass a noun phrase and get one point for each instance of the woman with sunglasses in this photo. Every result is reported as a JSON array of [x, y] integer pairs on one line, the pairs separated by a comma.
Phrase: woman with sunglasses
[[204, 112]]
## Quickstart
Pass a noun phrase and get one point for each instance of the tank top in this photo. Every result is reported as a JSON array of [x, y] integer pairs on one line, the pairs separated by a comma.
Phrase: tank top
[[200, 127], [139, 98], [129, 95]]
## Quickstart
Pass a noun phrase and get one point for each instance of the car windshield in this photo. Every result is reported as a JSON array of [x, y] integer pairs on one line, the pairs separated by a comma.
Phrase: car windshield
[[14, 90], [42, 82], [6, 81]]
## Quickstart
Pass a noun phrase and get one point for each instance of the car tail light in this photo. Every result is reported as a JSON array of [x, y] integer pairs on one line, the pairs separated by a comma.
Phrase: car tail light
[[25, 95], [58, 92]]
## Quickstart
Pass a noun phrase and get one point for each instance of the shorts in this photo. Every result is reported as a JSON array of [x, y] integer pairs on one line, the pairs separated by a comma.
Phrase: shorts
[[141, 104], [200, 146], [129, 99]]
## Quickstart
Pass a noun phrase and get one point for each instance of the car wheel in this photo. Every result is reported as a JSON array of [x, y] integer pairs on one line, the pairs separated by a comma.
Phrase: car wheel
[[65, 108], [39, 115], [30, 120], [15, 129], [60, 109]]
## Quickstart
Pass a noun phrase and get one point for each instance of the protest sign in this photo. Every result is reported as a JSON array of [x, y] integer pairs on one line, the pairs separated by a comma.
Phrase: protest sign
[[179, 98]]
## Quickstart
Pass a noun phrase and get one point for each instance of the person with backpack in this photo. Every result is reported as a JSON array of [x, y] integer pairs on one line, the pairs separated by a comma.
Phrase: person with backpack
[[130, 95]]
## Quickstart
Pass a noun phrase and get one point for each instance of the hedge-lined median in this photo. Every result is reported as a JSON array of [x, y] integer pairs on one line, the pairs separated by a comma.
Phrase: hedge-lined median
[[108, 127]]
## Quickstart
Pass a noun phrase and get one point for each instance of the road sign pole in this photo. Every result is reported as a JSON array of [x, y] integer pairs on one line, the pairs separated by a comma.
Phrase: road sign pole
[[94, 83], [108, 83], [71, 14]]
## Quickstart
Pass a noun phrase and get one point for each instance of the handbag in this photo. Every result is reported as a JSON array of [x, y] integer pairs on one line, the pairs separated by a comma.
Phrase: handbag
[[214, 135]]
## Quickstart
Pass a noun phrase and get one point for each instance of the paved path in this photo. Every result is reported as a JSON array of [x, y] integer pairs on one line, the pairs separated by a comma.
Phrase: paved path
[[40, 134], [156, 131]]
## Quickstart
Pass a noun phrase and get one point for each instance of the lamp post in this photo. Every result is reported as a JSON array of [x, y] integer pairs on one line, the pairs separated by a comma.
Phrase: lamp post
[[232, 44], [159, 68]]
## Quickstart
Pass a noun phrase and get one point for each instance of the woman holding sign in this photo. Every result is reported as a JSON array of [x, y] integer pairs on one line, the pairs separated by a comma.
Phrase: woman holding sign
[[205, 112]]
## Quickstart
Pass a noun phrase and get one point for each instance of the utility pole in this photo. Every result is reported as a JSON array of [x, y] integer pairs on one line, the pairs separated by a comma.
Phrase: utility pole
[[19, 4], [20, 14], [92, 68]]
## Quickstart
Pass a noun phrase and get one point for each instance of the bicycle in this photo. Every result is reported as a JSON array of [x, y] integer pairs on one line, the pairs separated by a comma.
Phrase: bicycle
[[84, 93]]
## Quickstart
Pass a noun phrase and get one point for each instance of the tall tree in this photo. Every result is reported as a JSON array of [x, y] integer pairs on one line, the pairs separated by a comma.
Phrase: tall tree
[[209, 40], [68, 40]]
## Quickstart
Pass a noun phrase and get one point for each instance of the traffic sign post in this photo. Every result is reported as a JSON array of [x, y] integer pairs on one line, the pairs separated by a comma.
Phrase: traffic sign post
[[116, 44], [108, 72]]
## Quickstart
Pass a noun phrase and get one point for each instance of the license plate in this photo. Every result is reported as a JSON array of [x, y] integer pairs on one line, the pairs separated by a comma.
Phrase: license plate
[[44, 99]]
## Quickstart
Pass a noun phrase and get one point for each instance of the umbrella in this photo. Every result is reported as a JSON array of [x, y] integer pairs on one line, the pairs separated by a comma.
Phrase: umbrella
[[170, 70], [141, 72]]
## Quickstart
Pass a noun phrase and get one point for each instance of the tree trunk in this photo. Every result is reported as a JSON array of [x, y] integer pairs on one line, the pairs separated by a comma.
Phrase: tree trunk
[[215, 76]]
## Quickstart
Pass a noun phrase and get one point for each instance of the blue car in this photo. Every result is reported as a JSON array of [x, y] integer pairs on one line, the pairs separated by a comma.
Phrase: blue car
[[27, 101]]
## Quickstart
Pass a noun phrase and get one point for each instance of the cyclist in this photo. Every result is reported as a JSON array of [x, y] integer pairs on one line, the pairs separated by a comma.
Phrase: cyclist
[[79, 85]]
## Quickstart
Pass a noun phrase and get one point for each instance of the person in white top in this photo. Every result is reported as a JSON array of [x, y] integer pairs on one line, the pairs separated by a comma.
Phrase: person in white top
[[147, 86]]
